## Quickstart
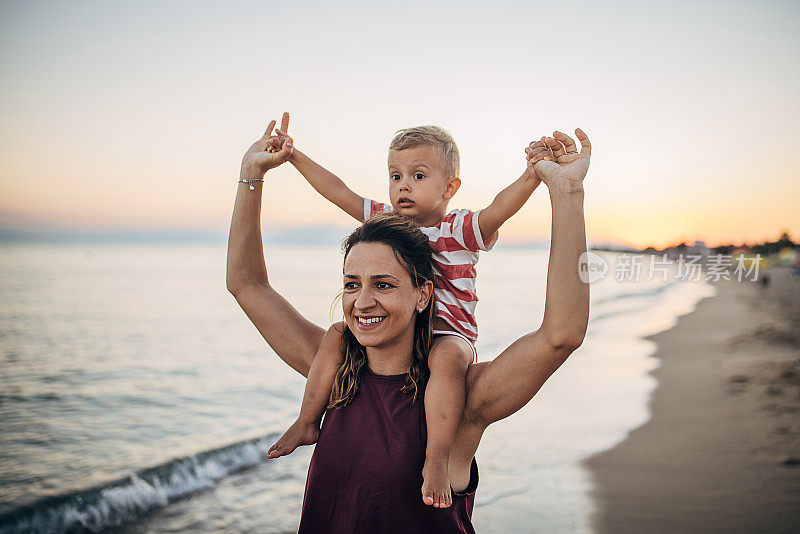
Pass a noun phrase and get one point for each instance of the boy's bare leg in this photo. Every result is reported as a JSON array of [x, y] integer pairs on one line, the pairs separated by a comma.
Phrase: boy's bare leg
[[448, 361], [305, 430]]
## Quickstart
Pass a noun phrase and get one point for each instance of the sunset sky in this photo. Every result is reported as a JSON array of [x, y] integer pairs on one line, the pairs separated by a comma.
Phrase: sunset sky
[[136, 115]]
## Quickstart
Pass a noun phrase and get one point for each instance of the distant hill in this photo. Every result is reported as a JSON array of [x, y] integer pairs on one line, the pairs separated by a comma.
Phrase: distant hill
[[121, 236], [324, 235], [304, 236]]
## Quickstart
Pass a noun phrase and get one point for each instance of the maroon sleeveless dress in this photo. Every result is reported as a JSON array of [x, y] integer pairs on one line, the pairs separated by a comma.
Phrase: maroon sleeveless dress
[[365, 474]]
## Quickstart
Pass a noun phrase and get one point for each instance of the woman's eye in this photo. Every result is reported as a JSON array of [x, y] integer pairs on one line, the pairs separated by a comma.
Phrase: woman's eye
[[384, 284], [419, 176], [350, 285]]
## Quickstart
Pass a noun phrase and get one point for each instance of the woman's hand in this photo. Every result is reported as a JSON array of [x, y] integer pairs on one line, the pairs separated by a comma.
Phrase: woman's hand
[[258, 159], [569, 168], [276, 142]]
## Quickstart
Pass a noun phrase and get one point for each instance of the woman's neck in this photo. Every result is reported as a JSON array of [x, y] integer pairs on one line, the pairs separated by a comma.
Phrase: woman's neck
[[393, 358]]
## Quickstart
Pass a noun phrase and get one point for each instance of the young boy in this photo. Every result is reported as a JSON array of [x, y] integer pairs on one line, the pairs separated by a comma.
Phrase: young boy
[[423, 178]]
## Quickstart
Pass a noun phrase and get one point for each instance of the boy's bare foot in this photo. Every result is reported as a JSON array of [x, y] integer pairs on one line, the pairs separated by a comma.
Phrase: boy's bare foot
[[300, 433], [436, 483]]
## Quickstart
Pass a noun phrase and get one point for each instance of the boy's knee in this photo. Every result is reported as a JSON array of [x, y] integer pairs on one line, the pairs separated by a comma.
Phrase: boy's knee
[[450, 352]]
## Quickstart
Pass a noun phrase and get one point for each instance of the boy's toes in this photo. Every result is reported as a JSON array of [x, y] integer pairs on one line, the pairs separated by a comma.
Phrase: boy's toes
[[448, 500], [279, 449], [427, 495]]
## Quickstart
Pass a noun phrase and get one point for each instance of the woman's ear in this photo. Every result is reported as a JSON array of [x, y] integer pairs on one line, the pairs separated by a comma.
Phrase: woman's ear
[[425, 295]]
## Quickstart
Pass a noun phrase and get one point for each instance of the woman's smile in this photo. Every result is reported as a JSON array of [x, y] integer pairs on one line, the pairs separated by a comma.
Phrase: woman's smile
[[369, 323]]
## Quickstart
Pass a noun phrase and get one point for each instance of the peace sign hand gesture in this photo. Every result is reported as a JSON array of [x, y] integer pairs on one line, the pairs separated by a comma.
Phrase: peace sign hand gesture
[[259, 158]]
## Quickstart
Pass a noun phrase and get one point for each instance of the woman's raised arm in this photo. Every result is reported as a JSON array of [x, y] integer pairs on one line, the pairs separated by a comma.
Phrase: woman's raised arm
[[498, 388], [293, 337]]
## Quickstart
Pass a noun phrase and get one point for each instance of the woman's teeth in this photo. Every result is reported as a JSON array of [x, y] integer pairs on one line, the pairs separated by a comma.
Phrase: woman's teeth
[[371, 320]]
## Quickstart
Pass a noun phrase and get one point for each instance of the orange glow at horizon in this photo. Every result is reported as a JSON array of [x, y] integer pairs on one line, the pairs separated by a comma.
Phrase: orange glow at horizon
[[136, 117]]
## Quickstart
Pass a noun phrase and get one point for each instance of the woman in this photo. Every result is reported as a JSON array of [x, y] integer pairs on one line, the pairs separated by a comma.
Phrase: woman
[[378, 457]]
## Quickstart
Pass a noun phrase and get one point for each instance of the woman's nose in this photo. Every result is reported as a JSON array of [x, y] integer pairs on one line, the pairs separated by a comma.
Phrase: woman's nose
[[365, 300]]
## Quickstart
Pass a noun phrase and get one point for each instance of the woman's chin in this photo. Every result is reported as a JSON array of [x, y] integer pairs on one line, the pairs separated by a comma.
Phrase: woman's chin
[[371, 337]]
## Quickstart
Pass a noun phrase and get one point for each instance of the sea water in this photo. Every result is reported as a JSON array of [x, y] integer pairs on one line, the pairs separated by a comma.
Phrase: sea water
[[136, 395]]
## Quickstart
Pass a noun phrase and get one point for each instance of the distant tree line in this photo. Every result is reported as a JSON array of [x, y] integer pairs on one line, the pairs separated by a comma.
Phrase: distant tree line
[[767, 248]]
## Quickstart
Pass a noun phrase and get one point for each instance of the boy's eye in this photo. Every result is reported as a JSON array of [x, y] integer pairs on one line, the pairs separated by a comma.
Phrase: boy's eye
[[395, 177], [419, 176]]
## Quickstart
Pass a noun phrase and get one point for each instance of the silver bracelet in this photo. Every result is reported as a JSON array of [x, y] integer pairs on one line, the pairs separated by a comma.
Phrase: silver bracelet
[[251, 182]]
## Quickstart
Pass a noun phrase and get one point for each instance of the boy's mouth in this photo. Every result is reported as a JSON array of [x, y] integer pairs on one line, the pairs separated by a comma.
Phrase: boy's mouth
[[404, 202]]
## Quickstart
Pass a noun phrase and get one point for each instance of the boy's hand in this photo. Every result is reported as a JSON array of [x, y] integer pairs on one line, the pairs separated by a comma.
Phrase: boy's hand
[[259, 159], [535, 152], [569, 167], [276, 142], [551, 149]]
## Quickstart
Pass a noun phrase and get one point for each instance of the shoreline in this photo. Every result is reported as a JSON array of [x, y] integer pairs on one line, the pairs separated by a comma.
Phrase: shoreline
[[721, 449]]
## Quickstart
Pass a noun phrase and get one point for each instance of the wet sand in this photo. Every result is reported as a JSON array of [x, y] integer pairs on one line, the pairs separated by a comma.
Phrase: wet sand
[[721, 451]]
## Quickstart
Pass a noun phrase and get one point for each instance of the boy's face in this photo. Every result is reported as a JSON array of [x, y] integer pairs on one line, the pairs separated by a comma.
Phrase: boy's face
[[418, 184]]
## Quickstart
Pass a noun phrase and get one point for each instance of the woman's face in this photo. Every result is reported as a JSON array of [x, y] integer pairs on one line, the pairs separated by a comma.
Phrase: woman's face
[[380, 301]]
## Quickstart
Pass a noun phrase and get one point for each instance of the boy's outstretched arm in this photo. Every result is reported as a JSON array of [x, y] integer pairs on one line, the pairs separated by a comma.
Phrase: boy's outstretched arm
[[329, 185], [512, 198], [325, 182]]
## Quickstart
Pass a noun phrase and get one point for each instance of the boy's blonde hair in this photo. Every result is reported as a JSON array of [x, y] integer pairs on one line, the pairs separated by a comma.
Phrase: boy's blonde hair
[[431, 136]]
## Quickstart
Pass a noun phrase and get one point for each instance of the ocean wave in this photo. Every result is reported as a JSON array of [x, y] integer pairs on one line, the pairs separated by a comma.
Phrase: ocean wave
[[638, 293], [122, 501], [48, 396]]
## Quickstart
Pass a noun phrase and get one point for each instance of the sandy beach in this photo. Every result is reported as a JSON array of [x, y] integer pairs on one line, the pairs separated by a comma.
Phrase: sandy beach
[[721, 451]]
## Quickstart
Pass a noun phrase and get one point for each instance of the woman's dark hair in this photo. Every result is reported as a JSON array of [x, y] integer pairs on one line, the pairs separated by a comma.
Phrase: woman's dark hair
[[413, 252]]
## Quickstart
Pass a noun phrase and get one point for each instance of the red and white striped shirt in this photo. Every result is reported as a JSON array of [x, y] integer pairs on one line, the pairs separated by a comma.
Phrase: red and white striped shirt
[[455, 243]]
